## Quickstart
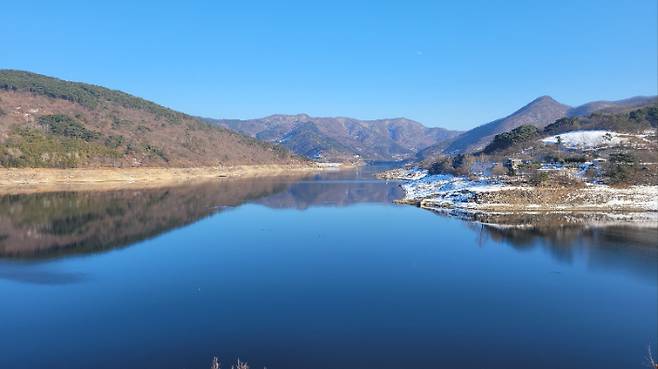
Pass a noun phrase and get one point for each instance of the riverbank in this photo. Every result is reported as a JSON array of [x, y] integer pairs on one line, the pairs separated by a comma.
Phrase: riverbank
[[495, 199], [29, 180]]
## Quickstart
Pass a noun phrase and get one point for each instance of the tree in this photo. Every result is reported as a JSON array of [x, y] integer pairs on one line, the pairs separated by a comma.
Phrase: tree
[[511, 138], [462, 164]]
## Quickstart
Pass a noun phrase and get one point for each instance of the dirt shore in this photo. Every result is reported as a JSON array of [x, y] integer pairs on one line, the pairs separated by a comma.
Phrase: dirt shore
[[593, 198], [27, 180]]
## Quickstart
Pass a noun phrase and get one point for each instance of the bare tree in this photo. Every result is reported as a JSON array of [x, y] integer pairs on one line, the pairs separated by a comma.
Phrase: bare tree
[[240, 365], [650, 359], [216, 364]]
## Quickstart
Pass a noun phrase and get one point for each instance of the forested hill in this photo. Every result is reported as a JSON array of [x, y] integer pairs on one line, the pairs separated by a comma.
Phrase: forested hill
[[342, 138], [49, 122], [524, 138]]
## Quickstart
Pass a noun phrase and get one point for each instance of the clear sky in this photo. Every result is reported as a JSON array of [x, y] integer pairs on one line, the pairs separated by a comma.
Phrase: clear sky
[[453, 64]]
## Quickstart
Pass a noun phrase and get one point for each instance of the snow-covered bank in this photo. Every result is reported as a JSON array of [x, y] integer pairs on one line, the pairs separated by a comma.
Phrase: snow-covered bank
[[486, 195], [403, 174], [448, 188]]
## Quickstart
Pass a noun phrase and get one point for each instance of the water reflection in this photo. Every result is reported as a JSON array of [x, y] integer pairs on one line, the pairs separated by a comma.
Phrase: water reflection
[[339, 284], [45, 225], [38, 273], [339, 188], [51, 224], [62, 223], [604, 247]]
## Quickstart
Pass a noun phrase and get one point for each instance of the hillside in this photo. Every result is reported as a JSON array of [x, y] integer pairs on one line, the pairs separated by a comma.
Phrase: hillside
[[336, 139], [539, 113], [523, 140], [48, 122], [615, 148]]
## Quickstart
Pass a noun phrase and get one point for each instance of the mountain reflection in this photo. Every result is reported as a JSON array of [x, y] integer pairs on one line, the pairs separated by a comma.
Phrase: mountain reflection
[[335, 189], [51, 224], [61, 223], [340, 188], [606, 246]]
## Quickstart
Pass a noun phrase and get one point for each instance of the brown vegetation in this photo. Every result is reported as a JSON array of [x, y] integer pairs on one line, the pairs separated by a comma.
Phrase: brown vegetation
[[27, 180], [46, 122], [548, 198]]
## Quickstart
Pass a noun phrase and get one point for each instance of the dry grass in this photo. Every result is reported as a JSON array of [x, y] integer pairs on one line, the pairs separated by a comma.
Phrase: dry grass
[[216, 364], [650, 360], [31, 180]]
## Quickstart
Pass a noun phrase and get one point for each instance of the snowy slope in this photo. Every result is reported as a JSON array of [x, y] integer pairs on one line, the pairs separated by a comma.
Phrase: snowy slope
[[587, 139]]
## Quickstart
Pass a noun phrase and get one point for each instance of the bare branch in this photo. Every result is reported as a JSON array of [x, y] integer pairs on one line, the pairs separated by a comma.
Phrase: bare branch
[[215, 364], [650, 359], [240, 365]]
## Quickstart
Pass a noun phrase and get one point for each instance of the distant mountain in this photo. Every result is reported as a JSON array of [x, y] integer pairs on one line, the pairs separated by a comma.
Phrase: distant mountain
[[539, 113], [48, 122], [618, 106], [336, 139]]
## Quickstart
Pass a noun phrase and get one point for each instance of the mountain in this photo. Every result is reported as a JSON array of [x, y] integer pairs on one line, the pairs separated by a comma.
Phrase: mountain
[[337, 139], [618, 106], [539, 113], [48, 122]]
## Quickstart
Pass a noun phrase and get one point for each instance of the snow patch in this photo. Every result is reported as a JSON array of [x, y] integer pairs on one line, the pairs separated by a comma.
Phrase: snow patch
[[404, 174], [587, 139]]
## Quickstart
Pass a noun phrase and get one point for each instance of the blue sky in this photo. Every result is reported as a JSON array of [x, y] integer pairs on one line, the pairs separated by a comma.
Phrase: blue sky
[[452, 64]]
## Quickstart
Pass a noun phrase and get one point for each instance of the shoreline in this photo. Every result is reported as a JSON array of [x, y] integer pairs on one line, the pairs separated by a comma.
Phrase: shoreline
[[492, 201], [33, 180], [528, 199]]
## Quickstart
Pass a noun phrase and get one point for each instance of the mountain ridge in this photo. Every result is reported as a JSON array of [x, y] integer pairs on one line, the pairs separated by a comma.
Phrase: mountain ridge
[[540, 112], [341, 138], [610, 106]]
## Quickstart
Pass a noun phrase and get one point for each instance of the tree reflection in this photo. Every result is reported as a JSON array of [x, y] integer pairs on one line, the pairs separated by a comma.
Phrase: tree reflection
[[61, 223], [605, 242], [52, 224]]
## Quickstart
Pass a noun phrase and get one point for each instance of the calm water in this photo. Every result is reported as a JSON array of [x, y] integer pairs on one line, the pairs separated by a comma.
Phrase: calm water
[[322, 272]]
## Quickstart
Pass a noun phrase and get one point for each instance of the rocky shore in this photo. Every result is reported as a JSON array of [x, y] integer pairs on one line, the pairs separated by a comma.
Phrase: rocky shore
[[496, 200]]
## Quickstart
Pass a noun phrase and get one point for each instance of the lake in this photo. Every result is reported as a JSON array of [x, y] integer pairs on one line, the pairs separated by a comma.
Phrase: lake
[[316, 272]]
